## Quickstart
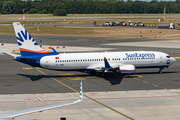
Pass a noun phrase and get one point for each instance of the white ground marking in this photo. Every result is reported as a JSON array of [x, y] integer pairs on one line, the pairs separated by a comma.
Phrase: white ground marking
[[9, 47], [159, 44], [40, 99], [70, 94], [140, 105]]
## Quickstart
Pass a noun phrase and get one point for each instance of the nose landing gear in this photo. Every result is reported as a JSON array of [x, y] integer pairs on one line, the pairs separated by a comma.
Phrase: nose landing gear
[[161, 68]]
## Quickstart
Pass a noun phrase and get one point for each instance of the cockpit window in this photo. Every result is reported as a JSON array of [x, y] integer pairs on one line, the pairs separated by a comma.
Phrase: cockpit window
[[168, 56]]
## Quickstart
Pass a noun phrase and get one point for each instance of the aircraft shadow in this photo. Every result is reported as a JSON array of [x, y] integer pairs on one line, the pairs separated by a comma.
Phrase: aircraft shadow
[[150, 73], [113, 79], [34, 77], [38, 77]]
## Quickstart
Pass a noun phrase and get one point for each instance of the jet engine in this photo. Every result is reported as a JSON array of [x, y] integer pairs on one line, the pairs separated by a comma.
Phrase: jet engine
[[126, 70]]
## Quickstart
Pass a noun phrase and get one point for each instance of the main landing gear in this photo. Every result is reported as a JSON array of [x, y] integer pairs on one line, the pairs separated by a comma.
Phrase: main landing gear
[[160, 70]]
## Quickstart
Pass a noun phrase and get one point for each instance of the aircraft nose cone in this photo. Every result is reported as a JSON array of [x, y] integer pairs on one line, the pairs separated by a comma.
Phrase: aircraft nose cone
[[173, 60]]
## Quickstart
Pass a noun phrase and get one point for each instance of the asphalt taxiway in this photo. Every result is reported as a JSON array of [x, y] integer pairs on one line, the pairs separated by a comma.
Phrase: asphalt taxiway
[[145, 95]]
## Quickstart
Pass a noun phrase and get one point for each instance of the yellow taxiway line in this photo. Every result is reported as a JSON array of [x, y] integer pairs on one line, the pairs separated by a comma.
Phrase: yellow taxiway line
[[176, 57], [87, 96]]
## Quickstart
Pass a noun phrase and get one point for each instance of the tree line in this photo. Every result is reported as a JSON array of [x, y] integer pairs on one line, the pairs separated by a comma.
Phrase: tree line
[[88, 6]]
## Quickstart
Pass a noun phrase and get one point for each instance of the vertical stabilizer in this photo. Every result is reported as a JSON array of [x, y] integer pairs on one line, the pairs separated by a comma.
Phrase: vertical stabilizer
[[27, 45]]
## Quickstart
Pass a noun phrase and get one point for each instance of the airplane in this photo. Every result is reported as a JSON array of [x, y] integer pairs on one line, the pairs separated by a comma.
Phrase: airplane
[[12, 115], [121, 63]]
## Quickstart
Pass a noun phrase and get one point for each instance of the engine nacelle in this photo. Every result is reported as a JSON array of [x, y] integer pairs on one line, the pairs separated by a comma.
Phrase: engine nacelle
[[126, 70]]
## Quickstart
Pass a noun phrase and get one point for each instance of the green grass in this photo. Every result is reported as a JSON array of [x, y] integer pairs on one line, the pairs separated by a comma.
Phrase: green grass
[[90, 31], [50, 16], [37, 18], [6, 29]]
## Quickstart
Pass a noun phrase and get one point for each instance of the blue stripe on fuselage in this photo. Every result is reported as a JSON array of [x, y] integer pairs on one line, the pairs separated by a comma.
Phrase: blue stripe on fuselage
[[163, 66], [127, 72], [35, 62], [91, 69]]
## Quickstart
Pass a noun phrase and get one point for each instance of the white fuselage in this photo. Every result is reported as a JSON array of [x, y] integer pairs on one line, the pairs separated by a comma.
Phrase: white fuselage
[[93, 61]]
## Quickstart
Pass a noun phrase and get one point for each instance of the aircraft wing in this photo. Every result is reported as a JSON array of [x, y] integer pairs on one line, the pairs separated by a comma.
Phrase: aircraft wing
[[28, 111], [103, 66], [122, 69]]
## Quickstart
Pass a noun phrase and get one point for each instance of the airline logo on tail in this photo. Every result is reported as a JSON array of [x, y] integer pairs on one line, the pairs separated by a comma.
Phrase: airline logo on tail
[[27, 45], [26, 36]]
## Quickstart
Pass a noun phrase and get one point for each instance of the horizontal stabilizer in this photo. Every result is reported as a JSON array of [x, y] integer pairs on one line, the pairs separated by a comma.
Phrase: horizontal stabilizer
[[12, 54]]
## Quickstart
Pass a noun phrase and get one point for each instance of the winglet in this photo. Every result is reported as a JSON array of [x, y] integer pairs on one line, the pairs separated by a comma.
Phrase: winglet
[[107, 66], [81, 93], [28, 111], [54, 51]]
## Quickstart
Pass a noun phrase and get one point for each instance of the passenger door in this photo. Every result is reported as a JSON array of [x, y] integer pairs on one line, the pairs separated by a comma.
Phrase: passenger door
[[47, 62]]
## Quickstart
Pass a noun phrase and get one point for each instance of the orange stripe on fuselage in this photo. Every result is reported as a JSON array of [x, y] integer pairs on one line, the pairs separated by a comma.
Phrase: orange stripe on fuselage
[[126, 70], [40, 51]]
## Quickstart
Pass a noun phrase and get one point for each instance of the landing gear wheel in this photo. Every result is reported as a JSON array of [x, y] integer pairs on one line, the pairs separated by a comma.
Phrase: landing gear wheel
[[99, 74], [160, 71], [92, 72], [103, 75]]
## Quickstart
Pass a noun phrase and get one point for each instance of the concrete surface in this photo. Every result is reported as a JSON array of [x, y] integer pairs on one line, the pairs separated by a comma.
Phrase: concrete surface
[[145, 96]]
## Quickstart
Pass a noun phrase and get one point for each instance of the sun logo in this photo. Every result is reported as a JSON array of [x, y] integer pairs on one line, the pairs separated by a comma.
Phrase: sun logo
[[168, 61], [25, 39]]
